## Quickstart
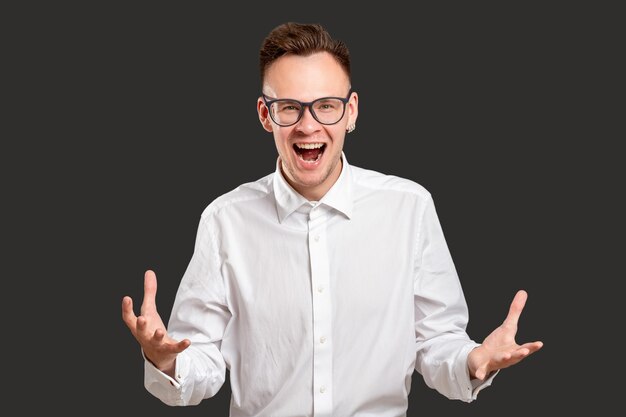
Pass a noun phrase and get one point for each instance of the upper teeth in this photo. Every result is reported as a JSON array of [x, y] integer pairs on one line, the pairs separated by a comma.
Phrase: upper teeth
[[309, 145]]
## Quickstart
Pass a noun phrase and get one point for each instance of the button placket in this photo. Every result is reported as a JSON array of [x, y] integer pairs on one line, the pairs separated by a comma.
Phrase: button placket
[[320, 281]]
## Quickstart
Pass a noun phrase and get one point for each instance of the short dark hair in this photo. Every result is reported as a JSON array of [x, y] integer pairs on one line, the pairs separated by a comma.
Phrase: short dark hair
[[301, 39]]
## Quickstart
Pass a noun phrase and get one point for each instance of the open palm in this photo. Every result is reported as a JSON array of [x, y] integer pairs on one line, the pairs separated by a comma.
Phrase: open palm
[[149, 330], [500, 350]]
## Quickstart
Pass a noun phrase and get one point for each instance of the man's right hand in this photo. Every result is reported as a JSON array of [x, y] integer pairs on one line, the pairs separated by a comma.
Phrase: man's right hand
[[149, 330]]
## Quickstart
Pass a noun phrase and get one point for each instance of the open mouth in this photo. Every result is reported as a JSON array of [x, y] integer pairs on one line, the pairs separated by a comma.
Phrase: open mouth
[[309, 152]]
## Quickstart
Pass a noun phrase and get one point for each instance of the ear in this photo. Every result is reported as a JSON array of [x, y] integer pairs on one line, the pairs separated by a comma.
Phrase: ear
[[264, 116], [353, 108]]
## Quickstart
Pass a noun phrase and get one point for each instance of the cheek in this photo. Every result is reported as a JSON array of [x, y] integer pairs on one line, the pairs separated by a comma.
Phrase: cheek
[[337, 134], [281, 139]]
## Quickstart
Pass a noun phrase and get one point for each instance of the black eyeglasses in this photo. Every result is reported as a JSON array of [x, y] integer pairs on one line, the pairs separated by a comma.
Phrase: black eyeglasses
[[326, 110]]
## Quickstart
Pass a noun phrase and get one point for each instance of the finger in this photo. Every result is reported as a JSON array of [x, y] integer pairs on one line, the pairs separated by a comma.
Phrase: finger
[[182, 345], [519, 354], [517, 305], [481, 373], [532, 346], [159, 335], [503, 357], [142, 325], [514, 356], [127, 313], [173, 347], [149, 291]]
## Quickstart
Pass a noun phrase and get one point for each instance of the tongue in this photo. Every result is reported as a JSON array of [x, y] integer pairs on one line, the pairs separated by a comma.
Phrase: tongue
[[310, 154]]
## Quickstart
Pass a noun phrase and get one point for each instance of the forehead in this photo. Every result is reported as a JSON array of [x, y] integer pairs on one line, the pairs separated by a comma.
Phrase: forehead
[[306, 77]]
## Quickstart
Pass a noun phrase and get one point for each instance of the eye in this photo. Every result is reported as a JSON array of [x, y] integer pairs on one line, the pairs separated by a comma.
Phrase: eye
[[287, 106], [328, 105]]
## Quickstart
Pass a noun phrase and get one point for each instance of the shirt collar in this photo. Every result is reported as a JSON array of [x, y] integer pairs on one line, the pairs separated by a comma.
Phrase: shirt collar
[[338, 197]]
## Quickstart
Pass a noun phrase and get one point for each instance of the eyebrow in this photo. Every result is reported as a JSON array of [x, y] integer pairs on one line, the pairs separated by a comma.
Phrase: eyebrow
[[270, 98]]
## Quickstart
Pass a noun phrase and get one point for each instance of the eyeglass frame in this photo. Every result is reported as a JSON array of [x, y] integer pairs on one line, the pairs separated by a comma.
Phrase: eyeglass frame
[[304, 105]]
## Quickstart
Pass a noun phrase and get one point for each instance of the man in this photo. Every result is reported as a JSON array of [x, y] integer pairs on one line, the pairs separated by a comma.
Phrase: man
[[322, 286]]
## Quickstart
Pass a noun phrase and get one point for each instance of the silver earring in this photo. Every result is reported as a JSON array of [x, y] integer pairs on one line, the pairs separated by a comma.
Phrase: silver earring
[[351, 128]]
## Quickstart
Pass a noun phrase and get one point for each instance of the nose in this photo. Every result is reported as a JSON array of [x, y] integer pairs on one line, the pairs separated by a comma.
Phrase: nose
[[307, 123]]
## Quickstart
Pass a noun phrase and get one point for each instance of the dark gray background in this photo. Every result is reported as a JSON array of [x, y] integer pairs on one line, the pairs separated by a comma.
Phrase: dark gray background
[[124, 122]]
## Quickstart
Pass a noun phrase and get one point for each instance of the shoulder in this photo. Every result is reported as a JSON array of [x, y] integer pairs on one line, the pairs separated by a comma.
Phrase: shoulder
[[375, 181], [245, 194]]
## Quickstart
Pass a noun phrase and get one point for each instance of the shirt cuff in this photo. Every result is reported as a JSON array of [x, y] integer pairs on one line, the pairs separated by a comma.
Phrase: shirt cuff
[[470, 388], [154, 376], [478, 385]]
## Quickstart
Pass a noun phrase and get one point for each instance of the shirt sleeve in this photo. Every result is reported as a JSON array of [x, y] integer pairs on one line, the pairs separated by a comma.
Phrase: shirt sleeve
[[200, 314], [441, 315]]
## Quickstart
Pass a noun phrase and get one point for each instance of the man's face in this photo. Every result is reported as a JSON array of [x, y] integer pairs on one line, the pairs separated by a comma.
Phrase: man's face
[[311, 172]]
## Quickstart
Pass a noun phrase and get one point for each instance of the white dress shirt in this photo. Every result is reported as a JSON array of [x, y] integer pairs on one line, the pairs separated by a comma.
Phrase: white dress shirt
[[319, 308]]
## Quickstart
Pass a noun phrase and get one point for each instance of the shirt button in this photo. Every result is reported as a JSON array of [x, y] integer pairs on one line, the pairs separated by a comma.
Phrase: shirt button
[[320, 288], [323, 389], [322, 339], [317, 238]]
